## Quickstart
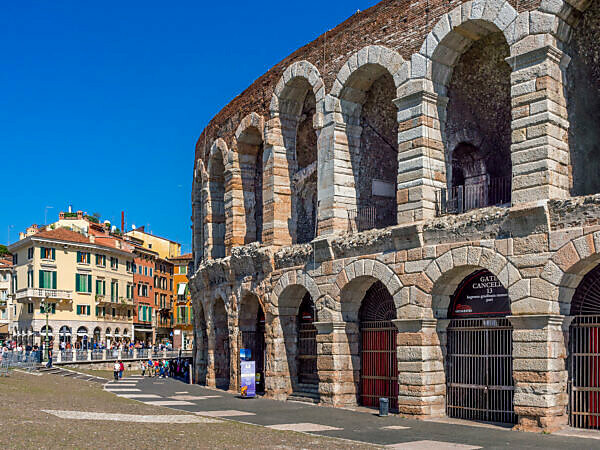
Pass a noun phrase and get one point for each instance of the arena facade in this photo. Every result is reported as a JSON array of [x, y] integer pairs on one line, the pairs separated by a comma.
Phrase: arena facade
[[408, 207]]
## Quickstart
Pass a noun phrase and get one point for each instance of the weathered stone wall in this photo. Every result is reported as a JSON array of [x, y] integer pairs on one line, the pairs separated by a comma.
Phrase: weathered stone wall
[[583, 102]]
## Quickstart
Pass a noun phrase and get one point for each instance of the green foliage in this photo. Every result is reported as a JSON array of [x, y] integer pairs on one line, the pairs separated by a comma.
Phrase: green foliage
[[70, 214], [93, 219], [3, 250]]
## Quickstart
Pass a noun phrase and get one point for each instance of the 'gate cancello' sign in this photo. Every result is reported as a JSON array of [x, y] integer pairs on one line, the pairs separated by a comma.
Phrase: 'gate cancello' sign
[[480, 295]]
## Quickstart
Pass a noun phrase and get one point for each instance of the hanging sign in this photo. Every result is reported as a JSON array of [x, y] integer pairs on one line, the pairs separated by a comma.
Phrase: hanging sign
[[480, 294], [248, 385]]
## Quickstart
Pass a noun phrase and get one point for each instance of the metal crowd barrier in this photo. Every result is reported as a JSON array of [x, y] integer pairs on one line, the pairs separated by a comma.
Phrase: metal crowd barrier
[[19, 360]]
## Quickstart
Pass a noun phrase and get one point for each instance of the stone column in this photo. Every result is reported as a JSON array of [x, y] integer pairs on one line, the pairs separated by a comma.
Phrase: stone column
[[281, 351], [539, 372], [421, 161], [336, 187], [277, 195], [211, 379], [235, 211], [421, 378], [337, 346], [540, 126]]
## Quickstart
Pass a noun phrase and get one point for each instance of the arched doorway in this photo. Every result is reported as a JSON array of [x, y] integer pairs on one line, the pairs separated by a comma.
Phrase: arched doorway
[[200, 345], [97, 333], [221, 352], [82, 338], [584, 354], [378, 355], [252, 336], [479, 380], [308, 377], [64, 335]]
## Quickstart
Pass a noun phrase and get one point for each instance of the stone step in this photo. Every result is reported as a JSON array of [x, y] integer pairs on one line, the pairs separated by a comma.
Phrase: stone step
[[312, 388], [306, 397]]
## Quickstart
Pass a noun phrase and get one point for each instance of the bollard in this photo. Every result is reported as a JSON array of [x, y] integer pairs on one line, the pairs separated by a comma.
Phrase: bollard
[[384, 407]]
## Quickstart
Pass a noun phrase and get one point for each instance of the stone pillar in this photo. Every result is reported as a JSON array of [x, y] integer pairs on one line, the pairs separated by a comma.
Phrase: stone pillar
[[281, 353], [211, 379], [540, 126], [337, 345], [336, 187], [539, 372], [421, 378], [421, 161], [279, 152], [235, 212]]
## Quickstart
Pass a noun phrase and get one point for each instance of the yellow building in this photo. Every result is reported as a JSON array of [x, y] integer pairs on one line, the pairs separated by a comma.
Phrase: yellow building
[[87, 282], [183, 323], [164, 247]]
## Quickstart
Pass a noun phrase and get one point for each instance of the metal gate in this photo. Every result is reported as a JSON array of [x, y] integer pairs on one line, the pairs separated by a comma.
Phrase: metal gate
[[479, 376], [378, 354], [255, 341], [584, 354], [307, 343]]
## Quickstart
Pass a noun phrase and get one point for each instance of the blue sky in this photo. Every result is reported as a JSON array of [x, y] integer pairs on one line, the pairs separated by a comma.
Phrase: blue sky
[[101, 103]]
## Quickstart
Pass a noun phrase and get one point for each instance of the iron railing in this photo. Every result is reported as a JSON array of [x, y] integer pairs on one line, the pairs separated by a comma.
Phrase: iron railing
[[369, 217], [307, 354], [460, 199], [479, 379], [584, 372]]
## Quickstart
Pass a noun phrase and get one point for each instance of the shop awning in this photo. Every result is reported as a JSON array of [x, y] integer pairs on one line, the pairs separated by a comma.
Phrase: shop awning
[[181, 289]]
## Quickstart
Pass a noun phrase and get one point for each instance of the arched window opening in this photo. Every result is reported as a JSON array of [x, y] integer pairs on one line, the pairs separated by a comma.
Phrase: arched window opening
[[250, 154], [215, 214], [221, 352], [252, 336]]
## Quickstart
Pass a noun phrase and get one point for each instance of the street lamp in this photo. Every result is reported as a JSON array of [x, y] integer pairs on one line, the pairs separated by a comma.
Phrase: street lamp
[[47, 343]]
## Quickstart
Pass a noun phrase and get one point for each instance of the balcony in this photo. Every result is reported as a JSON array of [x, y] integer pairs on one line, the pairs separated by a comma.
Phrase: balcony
[[368, 218], [103, 299], [29, 294], [460, 199]]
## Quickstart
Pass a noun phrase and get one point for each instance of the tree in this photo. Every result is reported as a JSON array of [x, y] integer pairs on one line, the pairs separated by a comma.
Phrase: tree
[[3, 250]]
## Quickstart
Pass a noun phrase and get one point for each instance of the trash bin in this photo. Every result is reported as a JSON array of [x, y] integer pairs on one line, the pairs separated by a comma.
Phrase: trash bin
[[384, 407]]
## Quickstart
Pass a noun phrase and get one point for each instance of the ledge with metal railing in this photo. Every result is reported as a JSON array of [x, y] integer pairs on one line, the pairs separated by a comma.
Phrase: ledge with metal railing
[[369, 217], [31, 293], [463, 198]]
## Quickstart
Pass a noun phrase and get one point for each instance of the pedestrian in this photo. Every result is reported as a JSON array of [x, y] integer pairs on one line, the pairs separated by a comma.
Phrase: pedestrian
[[143, 368], [116, 369], [121, 369], [49, 364]]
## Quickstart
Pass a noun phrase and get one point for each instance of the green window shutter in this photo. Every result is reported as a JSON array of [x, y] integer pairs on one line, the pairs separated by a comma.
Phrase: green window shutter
[[53, 280], [89, 283], [41, 252], [77, 282], [41, 280]]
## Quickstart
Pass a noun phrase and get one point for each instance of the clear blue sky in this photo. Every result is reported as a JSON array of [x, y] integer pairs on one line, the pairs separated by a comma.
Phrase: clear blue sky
[[101, 103]]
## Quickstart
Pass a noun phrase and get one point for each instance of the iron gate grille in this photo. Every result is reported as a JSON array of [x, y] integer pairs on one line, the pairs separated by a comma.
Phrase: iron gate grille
[[479, 377], [584, 409], [379, 363], [307, 354]]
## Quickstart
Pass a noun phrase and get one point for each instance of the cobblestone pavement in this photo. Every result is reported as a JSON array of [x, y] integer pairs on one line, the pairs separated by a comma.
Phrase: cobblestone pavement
[[358, 425]]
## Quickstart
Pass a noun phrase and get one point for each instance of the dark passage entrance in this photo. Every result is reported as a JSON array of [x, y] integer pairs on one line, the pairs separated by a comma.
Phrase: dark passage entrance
[[378, 359], [479, 377], [252, 337], [308, 377], [584, 355]]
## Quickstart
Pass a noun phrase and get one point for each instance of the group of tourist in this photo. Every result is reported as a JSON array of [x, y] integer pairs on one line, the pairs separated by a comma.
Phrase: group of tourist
[[176, 368]]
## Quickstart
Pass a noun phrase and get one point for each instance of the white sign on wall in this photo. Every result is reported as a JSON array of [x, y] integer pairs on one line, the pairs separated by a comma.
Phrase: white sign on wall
[[383, 188], [177, 332]]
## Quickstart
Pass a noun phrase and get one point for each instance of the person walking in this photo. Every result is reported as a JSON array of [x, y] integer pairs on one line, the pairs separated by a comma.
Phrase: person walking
[[116, 369], [49, 363], [121, 369]]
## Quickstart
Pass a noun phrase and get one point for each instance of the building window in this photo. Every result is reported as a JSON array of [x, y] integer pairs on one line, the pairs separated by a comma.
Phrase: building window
[[30, 308], [83, 283], [100, 287], [83, 310], [48, 253], [51, 308], [114, 263], [83, 257], [30, 278], [101, 260], [150, 271], [129, 266], [114, 291], [30, 253], [47, 279], [15, 259], [114, 312], [182, 270]]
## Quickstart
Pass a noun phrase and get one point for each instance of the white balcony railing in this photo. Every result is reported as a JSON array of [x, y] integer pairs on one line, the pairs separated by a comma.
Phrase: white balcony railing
[[31, 293]]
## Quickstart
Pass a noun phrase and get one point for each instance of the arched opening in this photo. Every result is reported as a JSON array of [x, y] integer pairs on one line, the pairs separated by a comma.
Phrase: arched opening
[[200, 345], [469, 64], [584, 353], [583, 102], [299, 360], [64, 336], [215, 211], [117, 335], [97, 335], [378, 354], [250, 154], [479, 378], [221, 352], [252, 336], [372, 130], [82, 338]]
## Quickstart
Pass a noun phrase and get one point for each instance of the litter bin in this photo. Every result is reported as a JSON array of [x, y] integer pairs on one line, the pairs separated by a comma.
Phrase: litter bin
[[384, 407]]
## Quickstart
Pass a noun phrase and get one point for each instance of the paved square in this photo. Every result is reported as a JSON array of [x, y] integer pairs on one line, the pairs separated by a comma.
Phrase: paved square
[[168, 403], [307, 427], [395, 427], [225, 413], [139, 396], [419, 445], [122, 390], [82, 415], [192, 397]]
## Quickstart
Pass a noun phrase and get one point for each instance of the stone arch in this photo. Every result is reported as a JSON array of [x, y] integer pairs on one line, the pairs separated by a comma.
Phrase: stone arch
[[353, 281], [200, 343], [290, 156], [565, 270], [449, 269], [294, 279], [220, 345], [198, 205], [363, 95], [215, 195], [248, 170]]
